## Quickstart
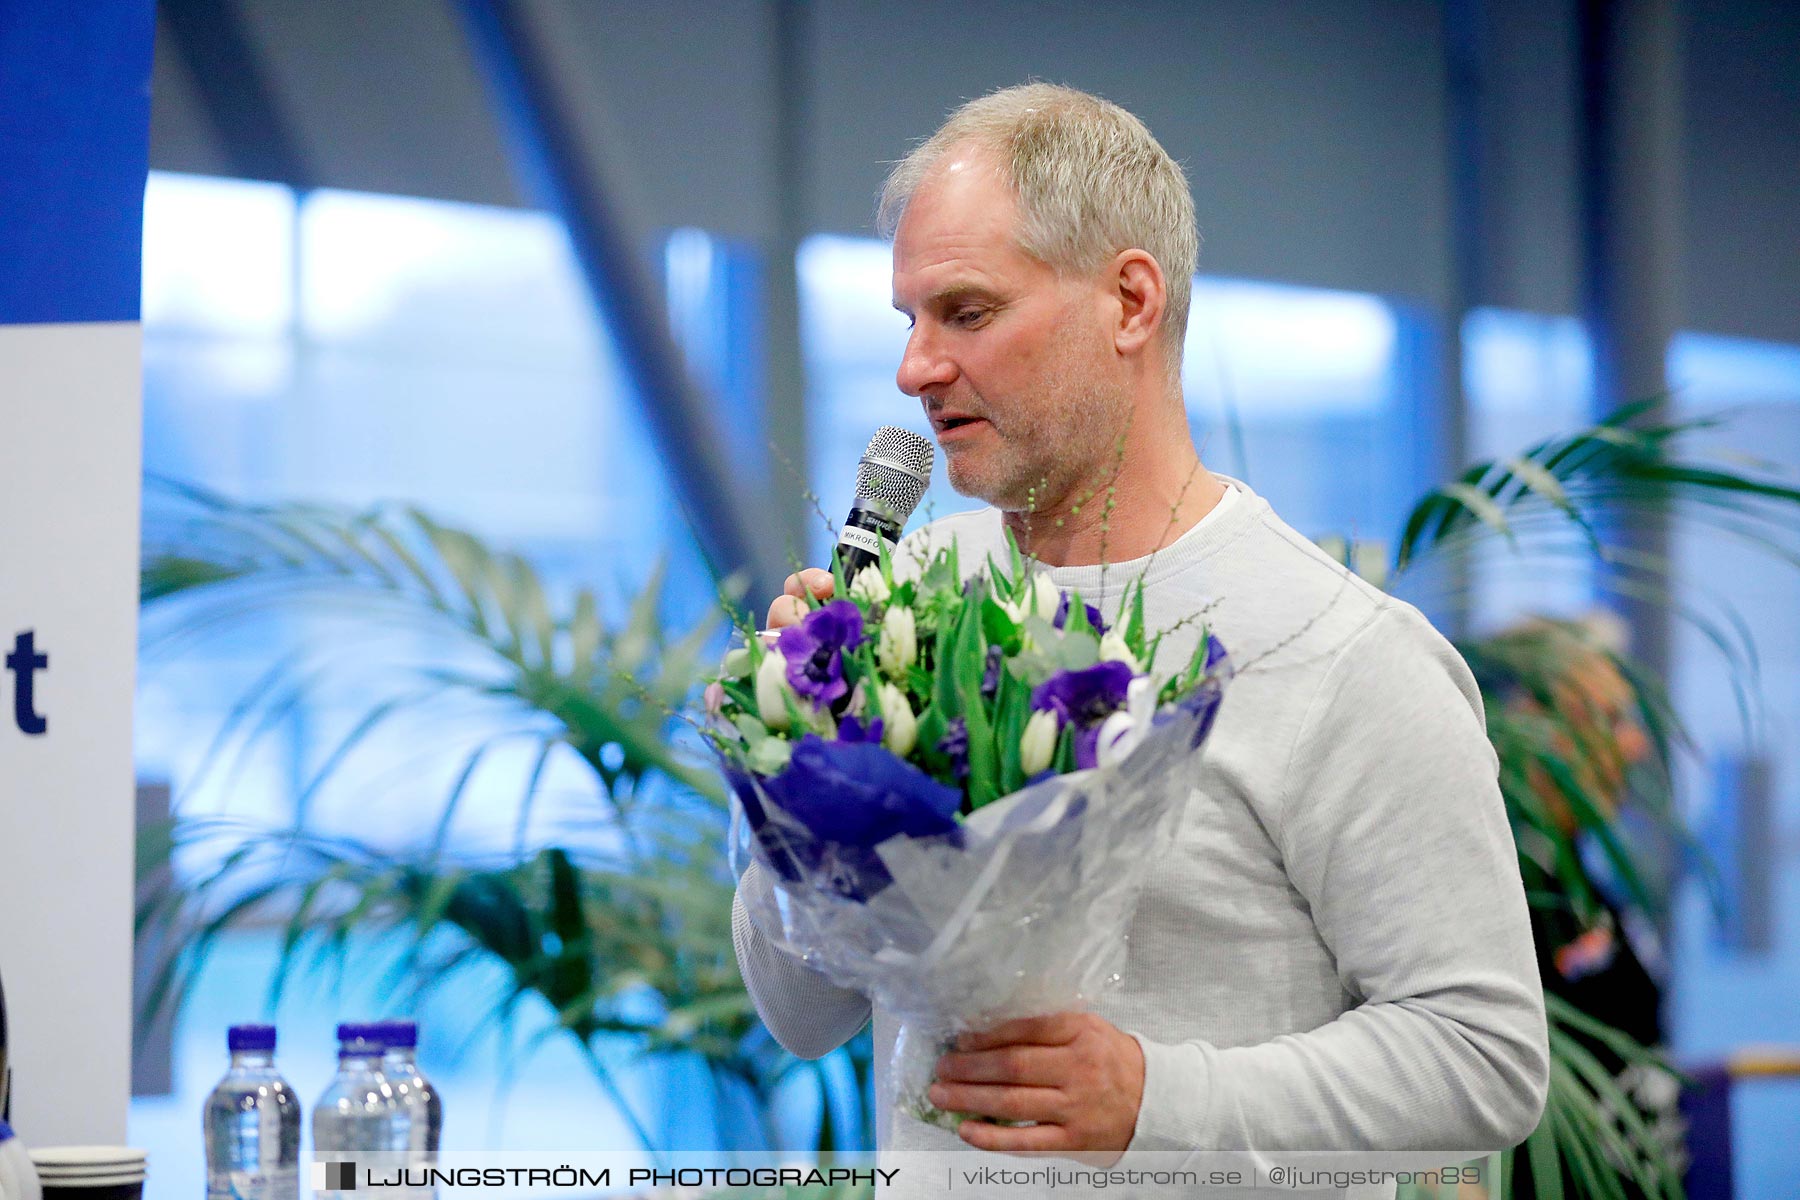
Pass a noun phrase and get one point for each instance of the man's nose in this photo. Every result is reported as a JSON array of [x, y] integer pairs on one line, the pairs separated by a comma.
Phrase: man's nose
[[923, 366]]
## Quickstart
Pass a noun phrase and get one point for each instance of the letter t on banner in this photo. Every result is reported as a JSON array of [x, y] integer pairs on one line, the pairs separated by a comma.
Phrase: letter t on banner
[[74, 136]]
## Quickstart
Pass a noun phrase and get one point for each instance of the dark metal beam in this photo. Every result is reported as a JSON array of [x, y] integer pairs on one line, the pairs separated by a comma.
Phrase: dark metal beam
[[1466, 159], [785, 406], [256, 136], [564, 174], [1630, 237], [1629, 54]]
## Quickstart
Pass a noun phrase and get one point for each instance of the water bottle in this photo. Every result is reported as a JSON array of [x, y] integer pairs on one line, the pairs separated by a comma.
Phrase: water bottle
[[360, 1112], [425, 1110], [252, 1124], [419, 1100]]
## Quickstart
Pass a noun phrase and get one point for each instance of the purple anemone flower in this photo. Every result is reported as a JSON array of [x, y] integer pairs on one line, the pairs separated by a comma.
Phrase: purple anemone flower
[[860, 794], [850, 729], [1093, 615], [1084, 699], [814, 650], [847, 798], [1087, 696]]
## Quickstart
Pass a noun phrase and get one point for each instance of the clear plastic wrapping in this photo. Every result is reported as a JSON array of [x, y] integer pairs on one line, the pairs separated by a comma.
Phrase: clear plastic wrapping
[[1021, 911]]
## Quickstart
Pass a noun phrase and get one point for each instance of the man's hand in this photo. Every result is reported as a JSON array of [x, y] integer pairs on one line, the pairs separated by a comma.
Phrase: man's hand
[[1079, 1077], [790, 606]]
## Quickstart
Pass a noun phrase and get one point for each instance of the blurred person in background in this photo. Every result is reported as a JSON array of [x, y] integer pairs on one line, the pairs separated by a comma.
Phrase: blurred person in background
[[1606, 959]]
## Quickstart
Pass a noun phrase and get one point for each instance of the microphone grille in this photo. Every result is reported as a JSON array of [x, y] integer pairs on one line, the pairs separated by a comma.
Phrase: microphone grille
[[895, 471]]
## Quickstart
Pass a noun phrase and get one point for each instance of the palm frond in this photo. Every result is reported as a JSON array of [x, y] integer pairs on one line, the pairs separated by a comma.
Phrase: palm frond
[[588, 937], [1586, 477], [605, 688], [1594, 1139]]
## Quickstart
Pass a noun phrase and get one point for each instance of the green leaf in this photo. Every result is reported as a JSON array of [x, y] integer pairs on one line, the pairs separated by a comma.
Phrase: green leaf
[[1135, 625], [1012, 703], [537, 626], [463, 560], [1546, 1164], [447, 813], [1077, 622], [999, 628], [946, 699], [526, 801], [967, 665], [933, 728], [396, 546], [1481, 505], [164, 576]]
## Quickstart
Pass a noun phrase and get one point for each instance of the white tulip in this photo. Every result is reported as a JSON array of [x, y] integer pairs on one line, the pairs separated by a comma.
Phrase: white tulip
[[898, 646], [899, 726], [1117, 738], [1122, 732], [773, 691], [737, 663], [1040, 598], [1037, 745], [1114, 649], [870, 586]]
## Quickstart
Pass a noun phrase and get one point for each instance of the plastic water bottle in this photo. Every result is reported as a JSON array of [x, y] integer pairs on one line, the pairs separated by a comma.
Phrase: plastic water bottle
[[360, 1112], [419, 1101], [252, 1124], [424, 1108]]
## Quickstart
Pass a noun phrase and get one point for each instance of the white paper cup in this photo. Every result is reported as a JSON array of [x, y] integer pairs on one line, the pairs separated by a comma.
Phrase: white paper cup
[[90, 1172]]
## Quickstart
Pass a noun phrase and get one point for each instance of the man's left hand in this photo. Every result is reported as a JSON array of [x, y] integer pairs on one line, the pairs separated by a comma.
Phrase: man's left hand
[[1079, 1077]]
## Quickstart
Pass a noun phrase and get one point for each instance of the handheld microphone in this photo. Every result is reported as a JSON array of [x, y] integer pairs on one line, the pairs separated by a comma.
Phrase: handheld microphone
[[890, 481]]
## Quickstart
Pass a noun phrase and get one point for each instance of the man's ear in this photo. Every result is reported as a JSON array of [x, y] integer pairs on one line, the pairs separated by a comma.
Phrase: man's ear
[[1143, 294]]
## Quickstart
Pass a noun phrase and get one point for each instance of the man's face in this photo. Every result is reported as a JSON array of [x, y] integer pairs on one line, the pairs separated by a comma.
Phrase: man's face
[[1013, 362]]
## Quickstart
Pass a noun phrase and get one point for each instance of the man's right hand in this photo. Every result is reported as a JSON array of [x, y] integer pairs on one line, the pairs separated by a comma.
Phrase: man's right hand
[[790, 606]]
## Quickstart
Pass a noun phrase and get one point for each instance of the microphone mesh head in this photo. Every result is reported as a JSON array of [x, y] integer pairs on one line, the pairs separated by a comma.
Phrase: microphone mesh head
[[895, 470]]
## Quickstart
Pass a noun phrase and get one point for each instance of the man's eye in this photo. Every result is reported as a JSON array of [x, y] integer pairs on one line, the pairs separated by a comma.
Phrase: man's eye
[[968, 316]]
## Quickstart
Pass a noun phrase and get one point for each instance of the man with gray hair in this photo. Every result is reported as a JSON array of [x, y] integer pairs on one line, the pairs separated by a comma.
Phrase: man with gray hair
[[1334, 953]]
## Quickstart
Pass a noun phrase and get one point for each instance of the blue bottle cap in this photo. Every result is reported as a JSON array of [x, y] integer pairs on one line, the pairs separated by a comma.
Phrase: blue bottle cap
[[361, 1031], [399, 1035], [250, 1037]]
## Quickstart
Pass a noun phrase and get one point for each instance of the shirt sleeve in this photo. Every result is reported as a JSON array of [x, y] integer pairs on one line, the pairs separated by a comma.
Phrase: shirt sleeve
[[1393, 830], [808, 1014]]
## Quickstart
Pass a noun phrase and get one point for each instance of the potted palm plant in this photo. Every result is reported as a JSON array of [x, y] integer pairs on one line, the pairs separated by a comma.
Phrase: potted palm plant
[[625, 936], [1586, 736], [639, 922]]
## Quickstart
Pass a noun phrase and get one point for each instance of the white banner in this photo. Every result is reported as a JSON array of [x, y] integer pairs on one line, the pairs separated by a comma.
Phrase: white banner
[[74, 122], [69, 471]]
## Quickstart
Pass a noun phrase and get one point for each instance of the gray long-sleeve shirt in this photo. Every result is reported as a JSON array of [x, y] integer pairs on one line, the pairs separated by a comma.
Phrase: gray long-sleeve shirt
[[1335, 953]]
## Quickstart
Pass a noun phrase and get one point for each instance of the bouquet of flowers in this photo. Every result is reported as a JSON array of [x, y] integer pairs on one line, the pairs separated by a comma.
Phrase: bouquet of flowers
[[958, 787]]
